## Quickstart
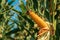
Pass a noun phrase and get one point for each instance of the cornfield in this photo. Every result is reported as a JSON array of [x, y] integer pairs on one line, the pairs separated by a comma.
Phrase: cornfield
[[15, 24]]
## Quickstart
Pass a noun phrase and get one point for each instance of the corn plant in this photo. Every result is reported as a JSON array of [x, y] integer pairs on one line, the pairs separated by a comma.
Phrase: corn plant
[[26, 28]]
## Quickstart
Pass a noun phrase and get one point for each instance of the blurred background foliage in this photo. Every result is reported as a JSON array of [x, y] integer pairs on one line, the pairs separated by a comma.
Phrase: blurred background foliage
[[16, 25]]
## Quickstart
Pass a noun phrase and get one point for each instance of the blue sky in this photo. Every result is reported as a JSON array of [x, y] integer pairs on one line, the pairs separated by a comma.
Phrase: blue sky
[[13, 4], [16, 2]]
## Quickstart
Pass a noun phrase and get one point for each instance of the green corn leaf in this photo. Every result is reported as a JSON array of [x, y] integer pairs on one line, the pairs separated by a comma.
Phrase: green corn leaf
[[23, 7], [29, 20], [11, 2], [0, 1]]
